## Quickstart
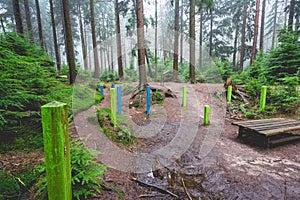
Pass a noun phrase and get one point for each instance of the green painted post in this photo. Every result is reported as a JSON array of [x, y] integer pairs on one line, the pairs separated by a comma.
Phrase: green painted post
[[229, 93], [113, 106], [206, 115], [263, 98], [57, 150], [184, 96]]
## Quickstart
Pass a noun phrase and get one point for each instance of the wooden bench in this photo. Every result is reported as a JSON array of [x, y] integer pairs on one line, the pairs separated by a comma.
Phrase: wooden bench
[[268, 132]]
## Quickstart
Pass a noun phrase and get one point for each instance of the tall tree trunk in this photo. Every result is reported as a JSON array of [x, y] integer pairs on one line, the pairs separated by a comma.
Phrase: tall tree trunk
[[18, 18], [200, 39], [141, 43], [291, 15], [82, 37], [95, 50], [102, 60], [112, 58], [176, 42], [274, 24], [39, 19], [192, 41], [57, 53], [28, 19], [155, 49], [181, 33], [148, 63], [262, 26], [235, 45], [253, 53], [210, 36], [243, 35], [69, 37], [119, 42], [2, 25], [108, 57]]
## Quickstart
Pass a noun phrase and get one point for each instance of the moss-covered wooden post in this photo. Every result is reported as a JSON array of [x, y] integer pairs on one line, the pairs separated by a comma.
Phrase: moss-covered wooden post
[[113, 106], [229, 93], [263, 98], [206, 115], [57, 150]]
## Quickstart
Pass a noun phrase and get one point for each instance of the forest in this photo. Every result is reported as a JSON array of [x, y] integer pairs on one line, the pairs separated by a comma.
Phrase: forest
[[76, 51]]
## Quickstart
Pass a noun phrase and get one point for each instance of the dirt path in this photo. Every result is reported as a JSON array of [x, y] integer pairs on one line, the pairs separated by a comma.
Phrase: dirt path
[[210, 160]]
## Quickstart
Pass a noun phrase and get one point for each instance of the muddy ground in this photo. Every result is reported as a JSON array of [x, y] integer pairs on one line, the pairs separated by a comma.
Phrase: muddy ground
[[177, 153]]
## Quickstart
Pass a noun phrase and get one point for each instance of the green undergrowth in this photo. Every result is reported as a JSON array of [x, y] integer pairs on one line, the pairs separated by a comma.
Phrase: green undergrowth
[[86, 174], [120, 134]]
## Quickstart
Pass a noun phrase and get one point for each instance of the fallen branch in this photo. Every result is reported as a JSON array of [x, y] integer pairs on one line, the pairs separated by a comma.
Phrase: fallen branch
[[155, 187], [242, 95], [185, 190], [146, 195]]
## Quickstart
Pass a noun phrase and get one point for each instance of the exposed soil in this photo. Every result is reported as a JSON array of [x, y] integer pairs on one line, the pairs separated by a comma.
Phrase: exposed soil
[[175, 148]]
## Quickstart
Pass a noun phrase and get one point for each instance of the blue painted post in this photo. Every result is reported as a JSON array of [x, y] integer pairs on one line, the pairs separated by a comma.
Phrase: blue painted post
[[119, 89], [101, 90], [148, 100], [112, 85]]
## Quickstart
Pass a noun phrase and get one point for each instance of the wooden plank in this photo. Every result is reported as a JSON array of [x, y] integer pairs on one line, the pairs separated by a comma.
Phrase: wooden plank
[[257, 121], [285, 139], [273, 126], [279, 130]]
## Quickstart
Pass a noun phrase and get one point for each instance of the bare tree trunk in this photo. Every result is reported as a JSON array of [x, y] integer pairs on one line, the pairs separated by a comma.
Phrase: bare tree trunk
[[291, 15], [274, 24], [201, 40], [253, 53], [148, 63], [181, 34], [262, 26], [83, 43], [210, 36], [2, 25], [235, 45], [119, 42], [69, 37], [40, 28], [18, 18], [155, 50], [102, 60], [112, 58], [192, 41], [95, 50], [57, 53], [141, 43], [28, 19], [108, 57], [176, 42], [243, 36]]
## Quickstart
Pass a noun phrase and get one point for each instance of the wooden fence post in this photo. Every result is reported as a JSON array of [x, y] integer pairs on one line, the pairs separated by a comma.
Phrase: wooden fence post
[[229, 93], [184, 97], [101, 90], [206, 115], [119, 89], [57, 150], [263, 98], [148, 100], [113, 106]]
